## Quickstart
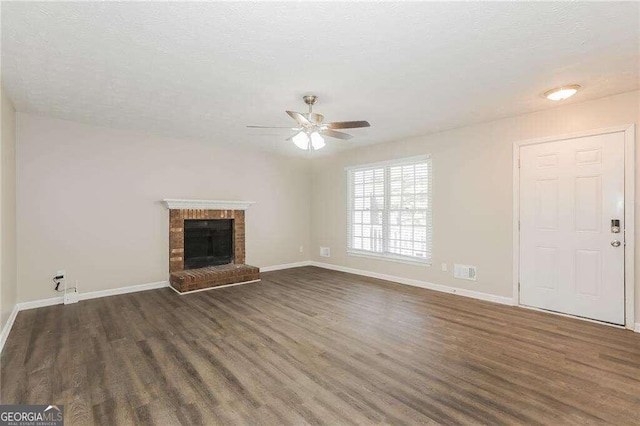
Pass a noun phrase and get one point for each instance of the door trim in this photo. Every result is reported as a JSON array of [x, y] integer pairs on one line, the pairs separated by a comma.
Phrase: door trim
[[629, 131]]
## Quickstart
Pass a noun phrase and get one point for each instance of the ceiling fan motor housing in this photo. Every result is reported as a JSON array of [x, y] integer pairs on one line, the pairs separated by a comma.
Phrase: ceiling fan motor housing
[[310, 99]]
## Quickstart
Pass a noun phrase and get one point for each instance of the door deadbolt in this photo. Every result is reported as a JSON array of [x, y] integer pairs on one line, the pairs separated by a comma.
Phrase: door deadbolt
[[615, 226]]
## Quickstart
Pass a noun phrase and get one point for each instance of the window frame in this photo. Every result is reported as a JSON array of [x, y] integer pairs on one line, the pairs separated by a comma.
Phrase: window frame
[[386, 255]]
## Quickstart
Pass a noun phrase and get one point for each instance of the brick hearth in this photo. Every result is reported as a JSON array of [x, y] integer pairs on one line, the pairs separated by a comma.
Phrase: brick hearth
[[213, 276]]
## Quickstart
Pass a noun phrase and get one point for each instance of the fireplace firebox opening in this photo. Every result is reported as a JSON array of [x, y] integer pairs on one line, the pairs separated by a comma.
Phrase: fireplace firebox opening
[[208, 242]]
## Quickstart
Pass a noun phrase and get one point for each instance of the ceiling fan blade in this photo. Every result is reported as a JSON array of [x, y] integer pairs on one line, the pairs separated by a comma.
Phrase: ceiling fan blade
[[337, 135], [301, 119], [348, 124], [271, 127]]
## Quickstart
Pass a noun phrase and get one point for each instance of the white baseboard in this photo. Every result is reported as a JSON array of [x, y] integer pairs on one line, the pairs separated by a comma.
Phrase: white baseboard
[[92, 295], [122, 290], [637, 328], [418, 283], [22, 306], [7, 327], [285, 266]]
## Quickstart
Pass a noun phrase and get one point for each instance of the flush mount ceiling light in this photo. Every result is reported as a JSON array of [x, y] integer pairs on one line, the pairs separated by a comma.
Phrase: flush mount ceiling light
[[563, 92]]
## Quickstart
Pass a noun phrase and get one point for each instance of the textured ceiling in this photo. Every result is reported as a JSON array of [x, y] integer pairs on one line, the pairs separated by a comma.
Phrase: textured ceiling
[[206, 70]]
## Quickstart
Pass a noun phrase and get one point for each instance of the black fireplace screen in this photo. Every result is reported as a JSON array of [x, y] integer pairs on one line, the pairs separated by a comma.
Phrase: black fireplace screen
[[208, 243]]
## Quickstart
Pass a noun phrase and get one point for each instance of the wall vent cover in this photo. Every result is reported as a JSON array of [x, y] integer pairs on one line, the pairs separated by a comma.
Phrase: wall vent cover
[[465, 272], [325, 252]]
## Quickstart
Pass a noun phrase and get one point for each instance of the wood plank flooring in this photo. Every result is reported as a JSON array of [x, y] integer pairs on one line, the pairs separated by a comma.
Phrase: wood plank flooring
[[312, 346]]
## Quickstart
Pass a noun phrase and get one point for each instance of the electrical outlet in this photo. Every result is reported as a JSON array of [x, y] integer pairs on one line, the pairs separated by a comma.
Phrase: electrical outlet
[[301, 249], [444, 267], [325, 252], [59, 280]]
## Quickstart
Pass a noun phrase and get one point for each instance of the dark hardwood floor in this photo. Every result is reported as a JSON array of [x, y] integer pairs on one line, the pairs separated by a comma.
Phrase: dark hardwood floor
[[309, 345]]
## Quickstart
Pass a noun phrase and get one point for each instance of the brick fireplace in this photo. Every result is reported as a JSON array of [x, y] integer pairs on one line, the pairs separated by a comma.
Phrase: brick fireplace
[[215, 255]]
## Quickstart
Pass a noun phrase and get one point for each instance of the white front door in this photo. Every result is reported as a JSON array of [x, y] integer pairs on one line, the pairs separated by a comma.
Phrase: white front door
[[571, 192]]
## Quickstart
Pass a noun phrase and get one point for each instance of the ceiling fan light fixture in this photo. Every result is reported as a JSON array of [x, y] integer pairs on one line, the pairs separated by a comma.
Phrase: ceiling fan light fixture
[[301, 140], [317, 141], [563, 92]]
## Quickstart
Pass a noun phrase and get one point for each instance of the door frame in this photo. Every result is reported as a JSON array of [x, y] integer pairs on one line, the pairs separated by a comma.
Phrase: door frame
[[629, 212]]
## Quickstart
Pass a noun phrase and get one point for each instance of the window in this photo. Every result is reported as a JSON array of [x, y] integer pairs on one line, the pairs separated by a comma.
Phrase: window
[[390, 210]]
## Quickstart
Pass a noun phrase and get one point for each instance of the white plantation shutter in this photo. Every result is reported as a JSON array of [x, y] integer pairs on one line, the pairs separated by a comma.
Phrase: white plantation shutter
[[367, 207], [389, 210]]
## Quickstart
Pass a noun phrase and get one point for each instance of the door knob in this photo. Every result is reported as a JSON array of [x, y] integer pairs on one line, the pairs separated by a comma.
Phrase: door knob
[[615, 243]]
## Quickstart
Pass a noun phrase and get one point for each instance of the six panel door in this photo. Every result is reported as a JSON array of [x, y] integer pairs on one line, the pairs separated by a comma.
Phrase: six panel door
[[570, 261]]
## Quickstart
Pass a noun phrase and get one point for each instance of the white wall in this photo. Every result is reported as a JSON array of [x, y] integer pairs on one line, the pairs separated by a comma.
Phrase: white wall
[[472, 195], [88, 198], [89, 202], [8, 278]]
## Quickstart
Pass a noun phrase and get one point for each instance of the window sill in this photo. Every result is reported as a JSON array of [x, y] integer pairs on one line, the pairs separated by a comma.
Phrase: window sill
[[388, 258]]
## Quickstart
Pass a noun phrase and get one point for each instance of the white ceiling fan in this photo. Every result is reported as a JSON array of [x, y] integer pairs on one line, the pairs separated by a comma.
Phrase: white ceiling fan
[[310, 127]]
